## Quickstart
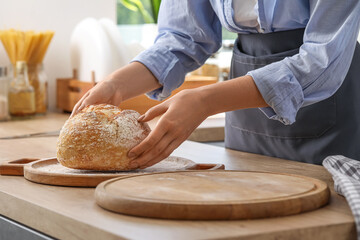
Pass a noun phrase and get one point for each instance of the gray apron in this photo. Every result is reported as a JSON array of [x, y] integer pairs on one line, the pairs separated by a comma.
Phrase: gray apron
[[325, 128]]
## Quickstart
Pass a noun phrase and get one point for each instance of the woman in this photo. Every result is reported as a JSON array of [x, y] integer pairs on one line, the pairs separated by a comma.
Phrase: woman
[[294, 82]]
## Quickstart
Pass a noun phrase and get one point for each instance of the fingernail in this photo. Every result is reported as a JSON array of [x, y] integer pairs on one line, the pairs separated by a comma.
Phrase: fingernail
[[141, 117], [134, 165], [131, 155]]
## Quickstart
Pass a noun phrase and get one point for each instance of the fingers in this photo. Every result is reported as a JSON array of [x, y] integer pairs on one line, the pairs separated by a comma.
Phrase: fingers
[[152, 157], [173, 127], [155, 135], [149, 142], [79, 105], [153, 112], [154, 151], [166, 153], [151, 151], [103, 92]]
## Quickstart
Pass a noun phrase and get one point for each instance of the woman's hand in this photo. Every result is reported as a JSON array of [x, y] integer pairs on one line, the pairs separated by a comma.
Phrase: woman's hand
[[127, 82], [186, 110], [103, 92], [182, 114]]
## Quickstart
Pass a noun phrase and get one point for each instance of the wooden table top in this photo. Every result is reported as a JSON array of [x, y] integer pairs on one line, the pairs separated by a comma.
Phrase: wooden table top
[[71, 213]]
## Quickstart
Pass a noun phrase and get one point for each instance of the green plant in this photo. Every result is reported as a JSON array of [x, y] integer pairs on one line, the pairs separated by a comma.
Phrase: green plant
[[138, 6]]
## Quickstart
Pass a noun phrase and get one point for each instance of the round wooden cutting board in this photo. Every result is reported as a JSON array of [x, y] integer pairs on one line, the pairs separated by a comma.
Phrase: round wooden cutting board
[[212, 195], [50, 171]]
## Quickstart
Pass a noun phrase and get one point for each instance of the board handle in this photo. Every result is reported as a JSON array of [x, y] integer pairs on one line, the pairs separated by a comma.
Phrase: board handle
[[207, 166], [15, 167]]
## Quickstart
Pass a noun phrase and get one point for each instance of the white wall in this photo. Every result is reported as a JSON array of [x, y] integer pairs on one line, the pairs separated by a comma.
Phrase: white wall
[[60, 16]]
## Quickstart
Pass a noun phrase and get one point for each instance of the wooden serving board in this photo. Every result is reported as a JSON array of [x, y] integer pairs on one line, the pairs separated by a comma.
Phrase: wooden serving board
[[212, 195], [51, 172]]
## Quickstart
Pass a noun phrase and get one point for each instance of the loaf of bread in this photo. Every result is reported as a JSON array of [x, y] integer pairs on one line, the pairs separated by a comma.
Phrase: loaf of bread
[[99, 138]]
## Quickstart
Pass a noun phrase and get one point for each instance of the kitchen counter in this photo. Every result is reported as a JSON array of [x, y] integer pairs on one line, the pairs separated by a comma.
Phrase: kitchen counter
[[71, 213]]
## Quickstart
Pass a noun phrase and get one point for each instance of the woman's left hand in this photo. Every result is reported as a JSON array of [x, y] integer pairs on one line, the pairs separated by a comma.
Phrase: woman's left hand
[[182, 114]]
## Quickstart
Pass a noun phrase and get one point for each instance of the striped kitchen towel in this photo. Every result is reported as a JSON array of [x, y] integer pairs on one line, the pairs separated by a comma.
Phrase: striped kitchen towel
[[346, 175]]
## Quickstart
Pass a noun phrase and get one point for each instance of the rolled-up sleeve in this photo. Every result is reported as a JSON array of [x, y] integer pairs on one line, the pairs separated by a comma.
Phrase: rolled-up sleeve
[[189, 32], [321, 65]]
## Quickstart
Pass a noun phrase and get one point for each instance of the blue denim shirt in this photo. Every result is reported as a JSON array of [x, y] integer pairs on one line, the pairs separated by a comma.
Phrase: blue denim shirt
[[190, 31]]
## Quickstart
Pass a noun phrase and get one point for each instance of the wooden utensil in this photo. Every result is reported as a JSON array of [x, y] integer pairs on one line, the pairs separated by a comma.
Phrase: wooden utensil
[[50, 171], [212, 195]]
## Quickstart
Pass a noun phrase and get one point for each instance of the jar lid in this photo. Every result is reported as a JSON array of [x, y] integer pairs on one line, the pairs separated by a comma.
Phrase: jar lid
[[3, 71]]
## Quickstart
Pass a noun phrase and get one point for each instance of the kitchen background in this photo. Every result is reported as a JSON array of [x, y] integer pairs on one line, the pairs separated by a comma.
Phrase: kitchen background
[[62, 17], [58, 16]]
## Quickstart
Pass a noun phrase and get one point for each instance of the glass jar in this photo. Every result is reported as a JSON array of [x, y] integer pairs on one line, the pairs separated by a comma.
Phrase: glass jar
[[38, 80], [4, 88], [21, 93]]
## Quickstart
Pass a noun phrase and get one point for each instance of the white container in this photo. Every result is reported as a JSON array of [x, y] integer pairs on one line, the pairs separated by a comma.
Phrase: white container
[[4, 89]]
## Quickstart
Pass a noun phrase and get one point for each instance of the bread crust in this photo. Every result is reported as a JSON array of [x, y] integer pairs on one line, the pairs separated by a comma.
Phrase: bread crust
[[99, 138]]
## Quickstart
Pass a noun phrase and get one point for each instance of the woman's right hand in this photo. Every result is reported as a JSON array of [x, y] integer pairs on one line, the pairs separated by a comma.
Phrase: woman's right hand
[[103, 92], [127, 82]]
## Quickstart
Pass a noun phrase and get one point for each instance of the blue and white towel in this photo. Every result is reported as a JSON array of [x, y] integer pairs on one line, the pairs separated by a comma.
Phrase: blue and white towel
[[346, 175]]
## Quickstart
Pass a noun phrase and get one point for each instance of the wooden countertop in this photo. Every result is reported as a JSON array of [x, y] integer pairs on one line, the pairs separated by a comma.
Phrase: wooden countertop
[[71, 213]]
